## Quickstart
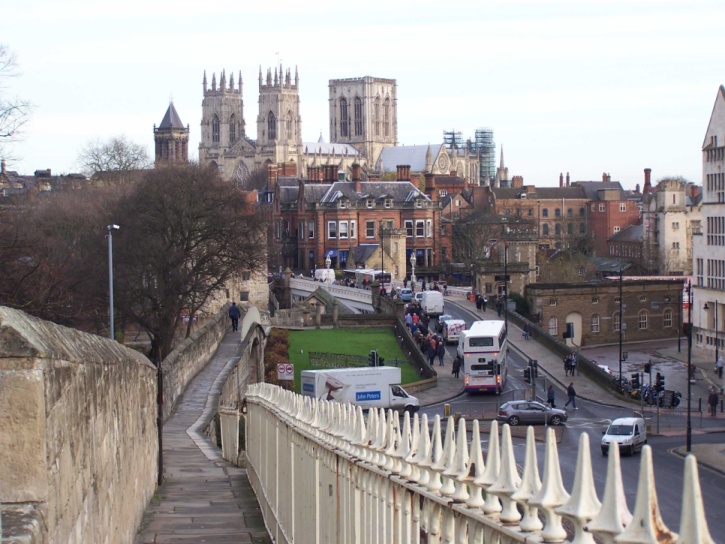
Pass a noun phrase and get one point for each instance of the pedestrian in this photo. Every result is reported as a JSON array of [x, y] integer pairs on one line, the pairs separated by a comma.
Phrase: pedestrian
[[499, 307], [718, 366], [234, 314], [478, 303], [408, 320], [445, 290], [484, 301], [527, 330], [456, 366], [405, 283], [551, 396], [571, 393], [441, 352], [572, 362], [432, 351], [567, 365], [712, 400]]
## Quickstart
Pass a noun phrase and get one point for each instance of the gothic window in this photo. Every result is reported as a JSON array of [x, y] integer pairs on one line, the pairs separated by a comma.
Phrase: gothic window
[[386, 117], [377, 116], [232, 129], [215, 129], [271, 126], [289, 125], [358, 116], [344, 129]]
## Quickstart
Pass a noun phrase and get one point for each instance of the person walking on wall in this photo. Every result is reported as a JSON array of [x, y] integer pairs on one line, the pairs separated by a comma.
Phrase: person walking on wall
[[234, 314], [527, 330], [551, 396], [719, 366], [571, 393]]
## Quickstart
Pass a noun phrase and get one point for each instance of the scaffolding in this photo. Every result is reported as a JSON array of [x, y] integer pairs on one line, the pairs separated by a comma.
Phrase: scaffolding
[[453, 140], [486, 148]]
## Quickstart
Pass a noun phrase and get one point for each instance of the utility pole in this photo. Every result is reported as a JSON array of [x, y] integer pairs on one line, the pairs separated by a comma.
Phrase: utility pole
[[689, 366], [621, 324]]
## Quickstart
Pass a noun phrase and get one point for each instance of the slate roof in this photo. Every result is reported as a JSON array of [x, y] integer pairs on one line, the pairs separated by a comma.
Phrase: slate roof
[[539, 193], [171, 119], [631, 234], [323, 148], [363, 252], [400, 191], [413, 155], [591, 187]]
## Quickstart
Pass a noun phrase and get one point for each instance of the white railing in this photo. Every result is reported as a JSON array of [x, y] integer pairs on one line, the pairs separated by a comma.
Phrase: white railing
[[324, 472]]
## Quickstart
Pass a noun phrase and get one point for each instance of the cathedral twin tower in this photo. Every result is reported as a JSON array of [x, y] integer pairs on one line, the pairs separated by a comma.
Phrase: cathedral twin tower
[[363, 120]]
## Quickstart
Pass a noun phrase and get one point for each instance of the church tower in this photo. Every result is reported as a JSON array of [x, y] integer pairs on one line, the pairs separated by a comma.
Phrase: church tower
[[279, 125], [171, 139], [222, 121], [364, 113]]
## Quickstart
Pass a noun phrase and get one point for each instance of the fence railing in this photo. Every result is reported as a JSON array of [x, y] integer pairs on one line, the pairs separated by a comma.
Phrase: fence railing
[[324, 472]]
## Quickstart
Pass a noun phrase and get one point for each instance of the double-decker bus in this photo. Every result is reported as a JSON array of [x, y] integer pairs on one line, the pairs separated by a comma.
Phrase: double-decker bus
[[484, 350]]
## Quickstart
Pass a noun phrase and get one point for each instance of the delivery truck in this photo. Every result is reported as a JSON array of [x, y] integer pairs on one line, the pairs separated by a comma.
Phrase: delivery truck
[[368, 387], [431, 302]]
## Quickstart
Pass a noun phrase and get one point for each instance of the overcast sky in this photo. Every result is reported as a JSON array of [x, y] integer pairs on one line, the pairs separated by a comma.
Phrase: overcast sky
[[572, 85]]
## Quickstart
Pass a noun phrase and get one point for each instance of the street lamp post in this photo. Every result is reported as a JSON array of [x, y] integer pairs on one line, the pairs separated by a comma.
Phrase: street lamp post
[[506, 285], [412, 266], [621, 324], [717, 347], [689, 366], [111, 228]]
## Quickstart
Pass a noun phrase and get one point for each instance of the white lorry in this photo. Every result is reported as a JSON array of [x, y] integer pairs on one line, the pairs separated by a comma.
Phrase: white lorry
[[431, 302], [369, 387]]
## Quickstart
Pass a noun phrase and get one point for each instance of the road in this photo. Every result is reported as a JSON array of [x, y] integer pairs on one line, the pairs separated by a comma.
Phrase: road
[[593, 418]]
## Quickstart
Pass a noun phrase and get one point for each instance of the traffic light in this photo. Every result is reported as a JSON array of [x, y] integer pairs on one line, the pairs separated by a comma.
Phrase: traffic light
[[373, 358], [658, 381], [635, 381], [381, 360], [534, 368], [648, 368], [662, 383], [527, 374]]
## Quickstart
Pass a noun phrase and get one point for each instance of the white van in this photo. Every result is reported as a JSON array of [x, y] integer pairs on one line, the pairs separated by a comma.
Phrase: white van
[[325, 275], [628, 433], [431, 302]]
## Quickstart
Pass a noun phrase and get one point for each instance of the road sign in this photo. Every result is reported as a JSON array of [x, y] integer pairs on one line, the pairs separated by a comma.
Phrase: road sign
[[285, 371]]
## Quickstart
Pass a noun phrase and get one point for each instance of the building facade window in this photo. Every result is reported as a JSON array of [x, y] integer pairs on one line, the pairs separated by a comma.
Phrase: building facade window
[[271, 126], [342, 230], [288, 126], [376, 114], [553, 302], [344, 126], [232, 129], [358, 116], [616, 230], [623, 207], [557, 229], [331, 229], [420, 229], [557, 212], [643, 320], [369, 229], [215, 129], [545, 229], [409, 228], [615, 322], [595, 300], [428, 228], [602, 207], [582, 228], [595, 323], [353, 229], [545, 212], [311, 230], [553, 326], [667, 318], [570, 228], [386, 117]]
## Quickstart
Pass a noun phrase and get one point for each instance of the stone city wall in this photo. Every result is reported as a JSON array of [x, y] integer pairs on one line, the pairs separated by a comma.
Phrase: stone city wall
[[78, 443]]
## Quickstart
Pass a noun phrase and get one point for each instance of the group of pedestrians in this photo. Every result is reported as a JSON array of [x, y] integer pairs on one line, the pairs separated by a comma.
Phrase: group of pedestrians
[[570, 393], [570, 364]]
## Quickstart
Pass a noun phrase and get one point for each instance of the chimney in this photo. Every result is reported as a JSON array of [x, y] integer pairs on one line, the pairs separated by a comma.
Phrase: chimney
[[400, 172], [2, 166], [517, 181], [567, 179], [356, 177], [271, 175], [647, 181], [636, 188], [407, 172], [430, 187], [561, 179]]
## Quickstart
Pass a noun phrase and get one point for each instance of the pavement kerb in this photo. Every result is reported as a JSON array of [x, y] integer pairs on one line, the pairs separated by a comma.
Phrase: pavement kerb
[[702, 458]]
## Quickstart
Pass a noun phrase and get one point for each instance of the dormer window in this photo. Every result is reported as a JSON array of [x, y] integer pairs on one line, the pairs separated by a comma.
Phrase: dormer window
[[418, 203], [369, 203], [342, 204], [388, 202]]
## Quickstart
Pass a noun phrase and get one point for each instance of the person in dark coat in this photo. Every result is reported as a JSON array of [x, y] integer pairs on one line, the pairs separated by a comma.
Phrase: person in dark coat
[[441, 351], [234, 314], [712, 401], [551, 396], [571, 393], [456, 366]]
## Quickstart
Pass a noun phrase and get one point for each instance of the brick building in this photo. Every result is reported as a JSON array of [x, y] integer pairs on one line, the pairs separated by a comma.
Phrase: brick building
[[652, 309]]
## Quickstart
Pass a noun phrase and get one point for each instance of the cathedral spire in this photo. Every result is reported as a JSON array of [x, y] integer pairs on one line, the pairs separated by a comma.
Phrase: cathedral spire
[[501, 164], [428, 160], [276, 81], [213, 81], [204, 83], [260, 76], [240, 82], [231, 84], [223, 81], [297, 78]]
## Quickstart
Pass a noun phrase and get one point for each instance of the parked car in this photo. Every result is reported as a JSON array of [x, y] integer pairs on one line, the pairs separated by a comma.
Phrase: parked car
[[528, 412], [406, 294], [629, 433]]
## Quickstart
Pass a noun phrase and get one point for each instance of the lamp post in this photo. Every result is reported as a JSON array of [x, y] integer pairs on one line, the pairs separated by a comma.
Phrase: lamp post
[[717, 347], [111, 228], [382, 250], [328, 261], [689, 366], [621, 323], [412, 266], [506, 285]]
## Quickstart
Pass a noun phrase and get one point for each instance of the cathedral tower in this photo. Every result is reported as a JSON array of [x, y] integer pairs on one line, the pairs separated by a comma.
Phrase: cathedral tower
[[364, 113], [279, 125], [171, 138], [222, 121]]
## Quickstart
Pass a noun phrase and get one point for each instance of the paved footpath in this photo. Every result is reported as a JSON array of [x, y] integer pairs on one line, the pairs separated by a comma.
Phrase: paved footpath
[[203, 498]]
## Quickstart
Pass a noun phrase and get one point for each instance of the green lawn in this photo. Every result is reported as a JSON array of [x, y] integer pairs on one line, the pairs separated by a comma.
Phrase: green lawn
[[347, 342]]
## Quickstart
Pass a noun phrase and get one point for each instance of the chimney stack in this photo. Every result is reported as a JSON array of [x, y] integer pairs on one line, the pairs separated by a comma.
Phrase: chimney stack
[[271, 175], [356, 177], [636, 188], [2, 165], [647, 181], [430, 187], [561, 179], [567, 179], [400, 172]]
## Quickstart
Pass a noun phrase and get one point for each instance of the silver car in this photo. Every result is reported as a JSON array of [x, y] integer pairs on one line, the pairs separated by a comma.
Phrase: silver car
[[528, 412]]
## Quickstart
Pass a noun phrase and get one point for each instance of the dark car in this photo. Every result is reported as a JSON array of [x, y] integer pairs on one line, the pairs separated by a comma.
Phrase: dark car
[[528, 412]]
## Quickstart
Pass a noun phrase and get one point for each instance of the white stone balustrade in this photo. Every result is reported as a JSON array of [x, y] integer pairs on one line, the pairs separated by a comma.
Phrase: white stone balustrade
[[324, 472]]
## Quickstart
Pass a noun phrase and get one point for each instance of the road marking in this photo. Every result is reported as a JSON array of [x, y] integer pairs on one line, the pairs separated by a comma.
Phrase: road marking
[[587, 423]]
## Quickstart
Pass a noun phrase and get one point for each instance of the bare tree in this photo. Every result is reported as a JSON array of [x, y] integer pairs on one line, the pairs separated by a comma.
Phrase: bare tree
[[185, 233], [118, 154], [14, 112]]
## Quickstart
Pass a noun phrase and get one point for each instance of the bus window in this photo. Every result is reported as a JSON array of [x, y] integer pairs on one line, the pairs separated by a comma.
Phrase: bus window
[[480, 341]]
